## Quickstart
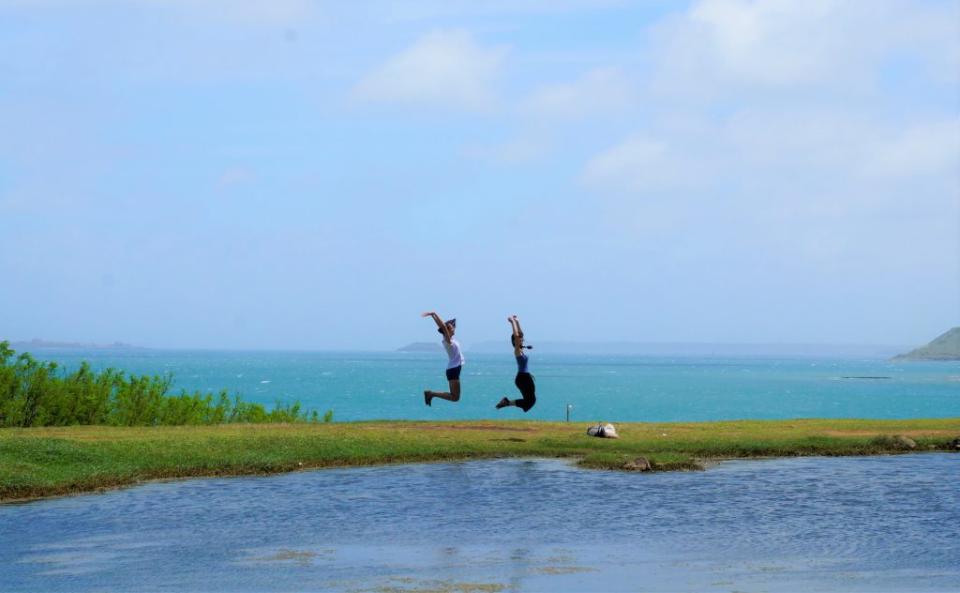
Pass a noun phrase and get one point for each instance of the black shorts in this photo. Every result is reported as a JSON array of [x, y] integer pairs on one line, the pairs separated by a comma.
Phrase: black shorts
[[454, 373], [528, 390]]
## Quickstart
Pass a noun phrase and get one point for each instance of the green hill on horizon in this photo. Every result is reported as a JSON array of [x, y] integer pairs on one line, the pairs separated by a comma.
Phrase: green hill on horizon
[[944, 347]]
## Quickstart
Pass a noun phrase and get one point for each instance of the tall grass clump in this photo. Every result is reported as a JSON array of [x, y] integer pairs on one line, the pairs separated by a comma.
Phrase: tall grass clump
[[36, 393]]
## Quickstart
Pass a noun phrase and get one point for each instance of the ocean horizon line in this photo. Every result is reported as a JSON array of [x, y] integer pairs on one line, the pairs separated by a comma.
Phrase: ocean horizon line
[[605, 348]]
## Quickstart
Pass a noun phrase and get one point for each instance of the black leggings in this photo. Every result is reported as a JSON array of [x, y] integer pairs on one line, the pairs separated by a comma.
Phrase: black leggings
[[524, 383]]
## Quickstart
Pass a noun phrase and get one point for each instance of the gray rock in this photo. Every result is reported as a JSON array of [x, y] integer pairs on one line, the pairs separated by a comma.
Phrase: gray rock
[[640, 464], [954, 444], [903, 442], [897, 442]]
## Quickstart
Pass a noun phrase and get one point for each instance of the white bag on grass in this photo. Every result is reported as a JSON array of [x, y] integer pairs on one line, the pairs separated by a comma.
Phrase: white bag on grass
[[605, 431]]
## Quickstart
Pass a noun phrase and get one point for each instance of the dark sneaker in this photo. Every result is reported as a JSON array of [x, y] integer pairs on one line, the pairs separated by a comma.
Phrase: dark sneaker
[[427, 398], [503, 403]]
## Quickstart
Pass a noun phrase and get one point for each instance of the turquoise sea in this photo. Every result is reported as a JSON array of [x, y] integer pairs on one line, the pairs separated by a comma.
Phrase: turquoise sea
[[366, 386]]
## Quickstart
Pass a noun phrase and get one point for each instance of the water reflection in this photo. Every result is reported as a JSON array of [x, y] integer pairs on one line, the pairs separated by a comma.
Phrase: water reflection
[[881, 523]]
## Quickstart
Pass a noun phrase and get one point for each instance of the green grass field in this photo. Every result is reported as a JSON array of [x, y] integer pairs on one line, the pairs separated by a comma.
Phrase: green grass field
[[37, 462]]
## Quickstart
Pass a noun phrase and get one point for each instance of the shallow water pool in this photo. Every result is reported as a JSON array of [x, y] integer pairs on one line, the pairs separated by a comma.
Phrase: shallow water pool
[[813, 524]]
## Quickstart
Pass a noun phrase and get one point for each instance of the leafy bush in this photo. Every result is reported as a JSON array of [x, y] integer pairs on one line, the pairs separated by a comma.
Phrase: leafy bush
[[35, 393]]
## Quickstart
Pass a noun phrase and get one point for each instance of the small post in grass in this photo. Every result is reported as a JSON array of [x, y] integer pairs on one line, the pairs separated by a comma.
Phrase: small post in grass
[[568, 411]]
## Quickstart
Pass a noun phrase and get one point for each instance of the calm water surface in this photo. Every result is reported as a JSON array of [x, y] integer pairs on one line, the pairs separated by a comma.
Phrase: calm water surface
[[810, 524], [363, 386]]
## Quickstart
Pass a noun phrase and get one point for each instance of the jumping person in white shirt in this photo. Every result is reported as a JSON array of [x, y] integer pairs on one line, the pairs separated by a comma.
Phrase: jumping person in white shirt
[[454, 363]]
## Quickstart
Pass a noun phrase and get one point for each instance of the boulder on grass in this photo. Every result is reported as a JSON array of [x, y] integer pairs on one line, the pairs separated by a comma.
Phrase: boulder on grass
[[640, 464], [604, 431], [903, 442], [895, 442]]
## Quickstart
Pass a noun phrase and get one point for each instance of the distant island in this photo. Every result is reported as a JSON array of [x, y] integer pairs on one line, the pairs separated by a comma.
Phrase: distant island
[[421, 347], [38, 343], [944, 347]]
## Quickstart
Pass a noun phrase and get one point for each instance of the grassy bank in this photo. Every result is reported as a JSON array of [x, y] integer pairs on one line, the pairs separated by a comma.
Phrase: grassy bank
[[36, 462]]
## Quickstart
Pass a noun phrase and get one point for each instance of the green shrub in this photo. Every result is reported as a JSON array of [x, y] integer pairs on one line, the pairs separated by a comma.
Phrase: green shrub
[[35, 393]]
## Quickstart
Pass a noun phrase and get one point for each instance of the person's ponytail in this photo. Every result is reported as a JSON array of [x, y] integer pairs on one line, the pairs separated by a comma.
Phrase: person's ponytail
[[513, 342]]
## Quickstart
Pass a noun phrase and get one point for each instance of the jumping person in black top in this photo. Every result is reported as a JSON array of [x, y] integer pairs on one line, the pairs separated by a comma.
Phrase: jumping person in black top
[[524, 380]]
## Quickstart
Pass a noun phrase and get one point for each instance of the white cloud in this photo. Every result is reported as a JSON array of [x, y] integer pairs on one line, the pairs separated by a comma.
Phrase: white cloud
[[813, 185], [927, 148], [637, 164], [844, 146], [763, 148], [600, 91], [779, 43], [443, 68], [799, 188], [768, 41]]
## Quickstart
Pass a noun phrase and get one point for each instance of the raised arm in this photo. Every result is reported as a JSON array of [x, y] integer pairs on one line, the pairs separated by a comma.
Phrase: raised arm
[[517, 343], [516, 322], [440, 324]]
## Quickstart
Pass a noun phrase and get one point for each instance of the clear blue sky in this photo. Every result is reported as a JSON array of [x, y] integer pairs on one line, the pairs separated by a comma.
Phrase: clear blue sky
[[307, 174]]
